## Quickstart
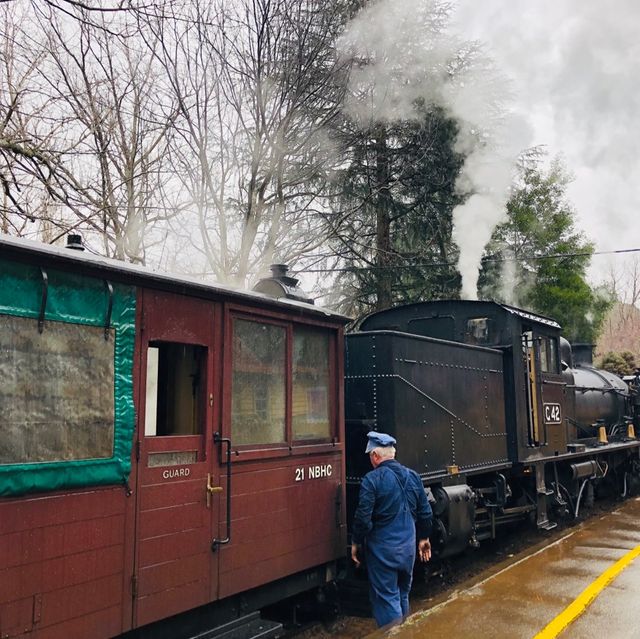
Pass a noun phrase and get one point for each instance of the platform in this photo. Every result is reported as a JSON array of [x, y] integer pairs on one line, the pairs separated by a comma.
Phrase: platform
[[593, 567]]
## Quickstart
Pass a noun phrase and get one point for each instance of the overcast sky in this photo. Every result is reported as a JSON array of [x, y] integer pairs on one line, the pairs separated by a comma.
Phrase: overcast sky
[[574, 68]]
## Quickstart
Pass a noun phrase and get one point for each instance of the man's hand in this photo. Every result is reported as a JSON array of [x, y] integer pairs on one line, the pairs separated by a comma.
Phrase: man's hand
[[424, 550], [354, 554]]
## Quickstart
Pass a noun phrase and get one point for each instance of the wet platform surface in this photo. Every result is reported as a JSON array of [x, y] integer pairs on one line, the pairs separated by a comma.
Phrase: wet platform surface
[[520, 599]]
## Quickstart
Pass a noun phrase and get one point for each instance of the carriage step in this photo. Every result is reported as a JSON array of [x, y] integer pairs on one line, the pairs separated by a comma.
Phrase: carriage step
[[249, 627]]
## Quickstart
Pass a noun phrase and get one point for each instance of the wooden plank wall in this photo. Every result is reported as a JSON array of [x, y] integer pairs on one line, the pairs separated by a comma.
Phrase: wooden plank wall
[[279, 526], [61, 565]]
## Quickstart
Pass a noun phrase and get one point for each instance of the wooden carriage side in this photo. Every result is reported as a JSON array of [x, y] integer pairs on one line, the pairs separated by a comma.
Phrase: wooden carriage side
[[122, 516]]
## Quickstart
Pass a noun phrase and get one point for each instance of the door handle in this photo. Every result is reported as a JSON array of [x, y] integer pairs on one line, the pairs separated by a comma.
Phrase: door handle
[[211, 490]]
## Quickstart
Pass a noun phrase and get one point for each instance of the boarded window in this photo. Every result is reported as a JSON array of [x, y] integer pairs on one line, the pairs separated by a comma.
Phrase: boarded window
[[310, 403], [56, 393], [259, 383]]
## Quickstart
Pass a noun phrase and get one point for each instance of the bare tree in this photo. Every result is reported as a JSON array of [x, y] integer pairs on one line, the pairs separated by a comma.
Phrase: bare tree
[[114, 96], [621, 328], [90, 126], [257, 82], [27, 167], [122, 122]]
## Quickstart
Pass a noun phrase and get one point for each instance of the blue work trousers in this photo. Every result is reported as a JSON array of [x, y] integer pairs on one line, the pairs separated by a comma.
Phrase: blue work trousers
[[390, 571]]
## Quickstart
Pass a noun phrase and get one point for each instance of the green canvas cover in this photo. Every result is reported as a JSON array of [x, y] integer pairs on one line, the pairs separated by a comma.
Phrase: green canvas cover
[[73, 299]]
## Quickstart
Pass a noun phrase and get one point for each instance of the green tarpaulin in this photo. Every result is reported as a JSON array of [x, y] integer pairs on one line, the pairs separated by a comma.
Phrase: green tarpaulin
[[77, 300]]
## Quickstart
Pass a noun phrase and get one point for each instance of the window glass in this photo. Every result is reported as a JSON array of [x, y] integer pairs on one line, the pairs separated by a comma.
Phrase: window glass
[[310, 405], [478, 330], [553, 355], [259, 383], [176, 387], [56, 393], [548, 355]]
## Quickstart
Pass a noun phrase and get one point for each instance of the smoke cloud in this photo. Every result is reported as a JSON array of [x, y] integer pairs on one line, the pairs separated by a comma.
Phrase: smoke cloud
[[413, 54], [574, 66]]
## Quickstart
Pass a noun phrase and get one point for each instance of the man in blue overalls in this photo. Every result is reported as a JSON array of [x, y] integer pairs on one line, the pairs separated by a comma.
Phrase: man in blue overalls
[[392, 508]]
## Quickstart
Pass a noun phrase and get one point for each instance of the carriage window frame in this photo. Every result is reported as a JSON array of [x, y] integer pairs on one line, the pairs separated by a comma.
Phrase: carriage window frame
[[282, 391], [291, 445], [166, 377], [316, 397]]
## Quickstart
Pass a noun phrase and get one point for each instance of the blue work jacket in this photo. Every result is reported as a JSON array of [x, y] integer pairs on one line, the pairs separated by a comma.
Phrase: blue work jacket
[[383, 494]]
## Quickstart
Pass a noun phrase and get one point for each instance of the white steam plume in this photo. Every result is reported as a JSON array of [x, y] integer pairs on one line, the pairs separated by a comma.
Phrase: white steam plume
[[574, 66], [412, 54]]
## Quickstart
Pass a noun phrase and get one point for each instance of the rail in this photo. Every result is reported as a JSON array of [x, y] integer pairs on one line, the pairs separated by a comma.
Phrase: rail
[[218, 439]]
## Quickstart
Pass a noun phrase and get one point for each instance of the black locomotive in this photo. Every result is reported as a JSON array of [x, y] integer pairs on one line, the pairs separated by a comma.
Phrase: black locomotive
[[490, 408]]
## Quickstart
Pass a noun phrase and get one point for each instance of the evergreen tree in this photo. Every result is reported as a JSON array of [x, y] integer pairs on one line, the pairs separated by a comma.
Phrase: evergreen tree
[[399, 190], [522, 266], [420, 101]]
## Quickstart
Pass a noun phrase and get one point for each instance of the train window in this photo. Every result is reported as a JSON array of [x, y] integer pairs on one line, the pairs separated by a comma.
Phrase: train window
[[310, 404], [548, 355], [56, 396], [259, 383], [478, 330], [176, 385]]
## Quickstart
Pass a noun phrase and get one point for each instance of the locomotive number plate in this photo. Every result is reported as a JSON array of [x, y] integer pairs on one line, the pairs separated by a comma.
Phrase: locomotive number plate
[[552, 413], [313, 472]]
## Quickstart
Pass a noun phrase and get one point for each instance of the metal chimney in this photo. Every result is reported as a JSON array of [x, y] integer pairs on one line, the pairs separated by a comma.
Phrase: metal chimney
[[583, 354], [281, 285], [74, 242]]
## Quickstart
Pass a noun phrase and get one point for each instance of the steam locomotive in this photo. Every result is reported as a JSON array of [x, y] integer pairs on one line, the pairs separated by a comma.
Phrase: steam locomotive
[[495, 412], [174, 454]]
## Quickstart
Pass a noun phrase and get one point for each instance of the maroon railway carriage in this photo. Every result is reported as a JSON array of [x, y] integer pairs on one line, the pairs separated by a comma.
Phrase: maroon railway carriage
[[164, 445]]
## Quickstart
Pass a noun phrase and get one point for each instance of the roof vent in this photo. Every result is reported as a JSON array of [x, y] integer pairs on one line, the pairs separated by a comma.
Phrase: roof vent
[[75, 242], [281, 285]]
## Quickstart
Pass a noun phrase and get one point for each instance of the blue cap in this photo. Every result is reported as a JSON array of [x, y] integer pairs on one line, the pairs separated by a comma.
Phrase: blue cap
[[378, 440]]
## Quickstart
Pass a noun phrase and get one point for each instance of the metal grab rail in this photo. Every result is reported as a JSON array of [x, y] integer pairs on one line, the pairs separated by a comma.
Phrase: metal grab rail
[[43, 302], [107, 317], [218, 439]]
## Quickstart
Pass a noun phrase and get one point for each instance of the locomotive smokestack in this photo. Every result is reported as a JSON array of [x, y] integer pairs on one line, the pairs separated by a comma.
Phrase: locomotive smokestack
[[583, 354]]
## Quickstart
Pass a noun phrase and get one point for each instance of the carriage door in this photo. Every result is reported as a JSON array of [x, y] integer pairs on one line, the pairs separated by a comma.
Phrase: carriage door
[[177, 498]]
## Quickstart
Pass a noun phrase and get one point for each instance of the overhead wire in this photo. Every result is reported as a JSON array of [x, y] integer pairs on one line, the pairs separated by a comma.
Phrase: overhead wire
[[525, 258]]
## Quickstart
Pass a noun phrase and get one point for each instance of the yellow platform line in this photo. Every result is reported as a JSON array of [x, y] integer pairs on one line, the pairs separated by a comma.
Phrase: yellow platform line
[[582, 601]]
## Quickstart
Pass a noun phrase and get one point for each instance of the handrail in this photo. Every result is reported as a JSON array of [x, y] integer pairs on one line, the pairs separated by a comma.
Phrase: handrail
[[107, 317], [43, 302], [218, 439]]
